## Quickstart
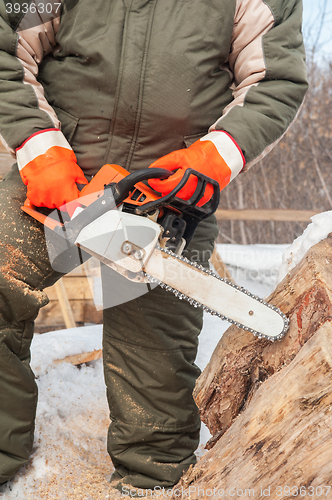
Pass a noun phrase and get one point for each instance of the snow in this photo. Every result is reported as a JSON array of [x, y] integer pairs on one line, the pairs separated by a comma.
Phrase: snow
[[70, 459], [317, 230], [253, 263], [49, 347]]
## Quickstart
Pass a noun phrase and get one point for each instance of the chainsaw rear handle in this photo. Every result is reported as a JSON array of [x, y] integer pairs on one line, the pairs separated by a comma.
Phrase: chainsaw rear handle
[[114, 195]]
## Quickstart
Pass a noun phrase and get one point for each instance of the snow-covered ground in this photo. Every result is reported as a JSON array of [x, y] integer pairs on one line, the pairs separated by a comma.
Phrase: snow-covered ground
[[70, 460]]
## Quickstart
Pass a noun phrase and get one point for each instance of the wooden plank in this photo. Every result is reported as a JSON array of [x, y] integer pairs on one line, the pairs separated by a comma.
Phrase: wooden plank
[[66, 310], [77, 288], [281, 215], [3, 149], [84, 312], [220, 266], [84, 357]]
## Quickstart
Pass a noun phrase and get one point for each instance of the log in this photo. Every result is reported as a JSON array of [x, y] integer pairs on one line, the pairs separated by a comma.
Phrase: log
[[241, 362], [77, 288], [281, 445]]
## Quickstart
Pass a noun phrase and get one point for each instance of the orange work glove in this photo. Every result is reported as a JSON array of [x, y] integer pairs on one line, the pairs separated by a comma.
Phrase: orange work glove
[[216, 155], [48, 168]]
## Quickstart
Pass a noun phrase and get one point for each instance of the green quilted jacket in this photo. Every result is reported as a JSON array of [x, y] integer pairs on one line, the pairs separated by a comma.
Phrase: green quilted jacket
[[127, 81]]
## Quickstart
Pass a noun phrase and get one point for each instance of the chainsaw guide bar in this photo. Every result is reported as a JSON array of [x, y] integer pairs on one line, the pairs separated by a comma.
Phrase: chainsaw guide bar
[[275, 323]]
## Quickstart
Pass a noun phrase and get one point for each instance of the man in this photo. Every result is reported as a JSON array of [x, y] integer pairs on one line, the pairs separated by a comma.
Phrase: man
[[208, 85]]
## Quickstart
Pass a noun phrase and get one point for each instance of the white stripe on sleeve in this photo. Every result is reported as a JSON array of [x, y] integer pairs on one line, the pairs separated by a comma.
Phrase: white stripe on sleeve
[[38, 144], [228, 150]]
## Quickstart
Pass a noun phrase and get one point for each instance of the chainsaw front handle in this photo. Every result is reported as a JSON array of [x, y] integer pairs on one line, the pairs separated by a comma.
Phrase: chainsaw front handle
[[127, 184], [190, 206]]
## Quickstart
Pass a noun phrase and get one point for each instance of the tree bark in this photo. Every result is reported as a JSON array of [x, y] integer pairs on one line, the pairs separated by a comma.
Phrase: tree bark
[[241, 362]]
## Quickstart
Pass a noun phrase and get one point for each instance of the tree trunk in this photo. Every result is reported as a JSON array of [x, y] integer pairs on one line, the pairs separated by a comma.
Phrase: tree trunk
[[241, 362], [281, 445]]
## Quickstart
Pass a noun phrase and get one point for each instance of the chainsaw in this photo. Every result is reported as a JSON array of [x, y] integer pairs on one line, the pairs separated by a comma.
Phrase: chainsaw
[[126, 225]]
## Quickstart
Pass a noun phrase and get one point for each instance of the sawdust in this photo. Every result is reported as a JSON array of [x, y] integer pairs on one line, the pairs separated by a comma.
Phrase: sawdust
[[15, 261], [39, 294], [76, 469]]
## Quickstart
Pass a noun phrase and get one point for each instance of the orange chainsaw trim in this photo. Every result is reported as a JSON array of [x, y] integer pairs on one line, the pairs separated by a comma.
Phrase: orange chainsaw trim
[[111, 173]]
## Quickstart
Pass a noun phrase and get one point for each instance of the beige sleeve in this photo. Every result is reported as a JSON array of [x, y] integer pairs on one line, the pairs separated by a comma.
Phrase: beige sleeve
[[36, 33], [253, 18]]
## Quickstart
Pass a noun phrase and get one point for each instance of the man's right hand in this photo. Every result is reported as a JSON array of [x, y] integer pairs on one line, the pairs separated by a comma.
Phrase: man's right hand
[[52, 175]]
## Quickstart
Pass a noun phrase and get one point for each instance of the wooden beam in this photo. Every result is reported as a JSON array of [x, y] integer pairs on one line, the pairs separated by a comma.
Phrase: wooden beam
[[77, 288], [281, 215], [65, 305], [50, 317], [268, 404], [220, 265]]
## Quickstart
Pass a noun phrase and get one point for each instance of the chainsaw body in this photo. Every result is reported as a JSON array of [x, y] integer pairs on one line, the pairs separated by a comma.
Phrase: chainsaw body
[[127, 226], [142, 219]]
